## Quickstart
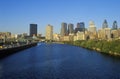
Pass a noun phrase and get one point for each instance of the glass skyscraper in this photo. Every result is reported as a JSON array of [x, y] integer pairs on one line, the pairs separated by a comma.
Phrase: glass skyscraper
[[63, 29], [33, 29], [70, 28], [105, 24], [80, 27], [114, 27]]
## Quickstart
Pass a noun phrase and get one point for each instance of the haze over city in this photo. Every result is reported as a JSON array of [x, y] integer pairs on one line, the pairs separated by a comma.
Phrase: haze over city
[[16, 15]]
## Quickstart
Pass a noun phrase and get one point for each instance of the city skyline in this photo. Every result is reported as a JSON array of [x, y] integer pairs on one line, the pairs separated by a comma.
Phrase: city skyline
[[17, 15]]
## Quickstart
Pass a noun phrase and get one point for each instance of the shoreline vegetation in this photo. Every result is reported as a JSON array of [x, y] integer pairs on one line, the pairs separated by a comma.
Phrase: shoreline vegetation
[[111, 48]]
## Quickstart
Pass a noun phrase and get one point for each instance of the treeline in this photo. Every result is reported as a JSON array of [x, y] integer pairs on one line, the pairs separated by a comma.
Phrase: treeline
[[108, 47]]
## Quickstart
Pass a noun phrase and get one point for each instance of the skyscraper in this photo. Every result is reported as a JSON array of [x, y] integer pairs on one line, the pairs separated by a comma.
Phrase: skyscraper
[[114, 27], [80, 27], [92, 27], [70, 28], [63, 29], [77, 28], [105, 24], [49, 32], [33, 29]]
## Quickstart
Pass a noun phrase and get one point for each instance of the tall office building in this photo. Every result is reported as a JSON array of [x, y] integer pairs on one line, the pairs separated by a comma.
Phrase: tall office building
[[49, 32], [70, 28], [105, 24], [63, 29], [114, 27], [33, 29], [92, 27], [80, 27]]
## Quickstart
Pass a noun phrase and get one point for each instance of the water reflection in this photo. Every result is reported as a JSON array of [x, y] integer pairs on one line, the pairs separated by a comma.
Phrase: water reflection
[[1, 70]]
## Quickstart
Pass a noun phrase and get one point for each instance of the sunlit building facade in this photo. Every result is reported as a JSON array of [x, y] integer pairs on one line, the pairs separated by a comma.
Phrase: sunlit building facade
[[92, 27], [49, 32]]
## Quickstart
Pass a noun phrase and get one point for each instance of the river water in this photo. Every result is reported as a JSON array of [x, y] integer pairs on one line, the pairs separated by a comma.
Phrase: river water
[[59, 61]]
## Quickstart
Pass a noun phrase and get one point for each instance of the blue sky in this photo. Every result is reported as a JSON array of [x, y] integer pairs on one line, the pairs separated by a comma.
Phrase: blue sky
[[16, 15]]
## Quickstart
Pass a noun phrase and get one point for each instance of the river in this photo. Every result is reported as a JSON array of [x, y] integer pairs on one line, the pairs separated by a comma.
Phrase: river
[[59, 61]]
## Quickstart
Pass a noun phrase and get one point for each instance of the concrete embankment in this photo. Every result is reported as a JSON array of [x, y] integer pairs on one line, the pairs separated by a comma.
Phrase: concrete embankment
[[9, 51]]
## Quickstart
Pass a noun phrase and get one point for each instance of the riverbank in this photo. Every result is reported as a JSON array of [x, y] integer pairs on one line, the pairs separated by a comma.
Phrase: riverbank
[[111, 48], [9, 51], [59, 61]]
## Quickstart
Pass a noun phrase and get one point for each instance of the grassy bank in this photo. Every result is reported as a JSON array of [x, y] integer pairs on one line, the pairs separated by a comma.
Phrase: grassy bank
[[103, 46]]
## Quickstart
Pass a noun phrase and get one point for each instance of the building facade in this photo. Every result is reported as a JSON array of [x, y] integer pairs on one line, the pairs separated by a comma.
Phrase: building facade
[[33, 30], [105, 24], [80, 35], [70, 28], [115, 26], [92, 27], [80, 27], [105, 34], [49, 32], [63, 29]]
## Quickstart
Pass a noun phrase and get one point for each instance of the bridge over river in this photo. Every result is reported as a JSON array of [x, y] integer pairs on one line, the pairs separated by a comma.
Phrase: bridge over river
[[59, 61]]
